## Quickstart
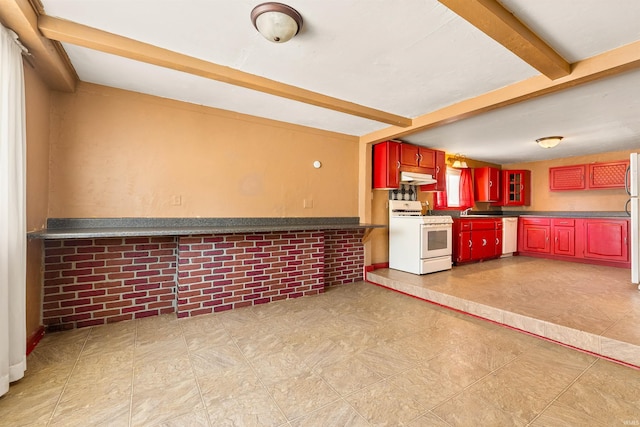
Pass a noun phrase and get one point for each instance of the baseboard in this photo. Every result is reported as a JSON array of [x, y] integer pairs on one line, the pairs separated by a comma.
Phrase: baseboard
[[34, 339]]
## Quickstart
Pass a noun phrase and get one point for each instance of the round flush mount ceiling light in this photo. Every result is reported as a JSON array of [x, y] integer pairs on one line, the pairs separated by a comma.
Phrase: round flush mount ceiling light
[[549, 141], [277, 22]]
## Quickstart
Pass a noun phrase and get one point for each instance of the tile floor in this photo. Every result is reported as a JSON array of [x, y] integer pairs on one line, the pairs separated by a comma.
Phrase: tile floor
[[590, 307], [358, 355]]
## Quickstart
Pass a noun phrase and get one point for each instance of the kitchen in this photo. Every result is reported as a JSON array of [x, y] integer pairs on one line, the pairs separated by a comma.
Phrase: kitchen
[[104, 151]]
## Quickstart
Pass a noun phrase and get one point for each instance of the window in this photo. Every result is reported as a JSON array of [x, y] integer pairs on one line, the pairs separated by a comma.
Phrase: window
[[453, 187]]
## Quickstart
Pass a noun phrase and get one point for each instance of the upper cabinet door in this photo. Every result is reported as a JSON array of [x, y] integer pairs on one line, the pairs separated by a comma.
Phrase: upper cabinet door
[[386, 165], [516, 188], [567, 178], [607, 175], [487, 184], [440, 174], [417, 159]]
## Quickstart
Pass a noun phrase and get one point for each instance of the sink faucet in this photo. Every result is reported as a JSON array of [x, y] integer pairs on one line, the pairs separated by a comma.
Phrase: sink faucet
[[465, 212]]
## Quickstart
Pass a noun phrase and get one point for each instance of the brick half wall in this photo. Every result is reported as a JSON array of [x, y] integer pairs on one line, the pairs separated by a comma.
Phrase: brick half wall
[[223, 272], [91, 282], [343, 257]]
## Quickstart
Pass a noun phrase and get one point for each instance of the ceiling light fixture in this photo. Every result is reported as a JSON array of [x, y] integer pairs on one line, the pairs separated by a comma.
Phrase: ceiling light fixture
[[458, 161], [549, 141], [277, 22]]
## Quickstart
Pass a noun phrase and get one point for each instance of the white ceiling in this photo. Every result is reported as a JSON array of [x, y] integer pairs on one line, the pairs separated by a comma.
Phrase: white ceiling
[[407, 58]]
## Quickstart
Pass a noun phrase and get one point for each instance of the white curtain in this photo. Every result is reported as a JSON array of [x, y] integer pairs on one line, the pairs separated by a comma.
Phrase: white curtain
[[13, 244]]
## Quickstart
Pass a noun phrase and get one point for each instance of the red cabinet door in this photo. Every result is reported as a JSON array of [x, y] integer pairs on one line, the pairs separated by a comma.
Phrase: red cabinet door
[[567, 178], [483, 244], [440, 174], [487, 184], [535, 238], [417, 159], [462, 252], [606, 239], [516, 188], [386, 165], [607, 175], [564, 240], [409, 155]]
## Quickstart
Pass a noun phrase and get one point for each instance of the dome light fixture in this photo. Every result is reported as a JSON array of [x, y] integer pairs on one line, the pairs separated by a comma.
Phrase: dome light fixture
[[549, 141], [277, 22]]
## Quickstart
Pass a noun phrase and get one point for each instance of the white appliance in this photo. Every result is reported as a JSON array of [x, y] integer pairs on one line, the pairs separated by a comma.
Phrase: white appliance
[[418, 244], [509, 236], [414, 178], [633, 209]]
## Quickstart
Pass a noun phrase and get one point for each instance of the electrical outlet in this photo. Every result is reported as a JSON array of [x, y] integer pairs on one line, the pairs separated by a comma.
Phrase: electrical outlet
[[307, 203], [176, 200]]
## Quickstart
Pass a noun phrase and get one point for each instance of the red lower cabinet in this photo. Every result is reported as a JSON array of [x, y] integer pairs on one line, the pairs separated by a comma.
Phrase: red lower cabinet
[[606, 239], [476, 239], [590, 240]]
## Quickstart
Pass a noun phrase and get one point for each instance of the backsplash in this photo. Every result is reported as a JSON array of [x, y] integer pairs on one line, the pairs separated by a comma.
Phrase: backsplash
[[405, 192]]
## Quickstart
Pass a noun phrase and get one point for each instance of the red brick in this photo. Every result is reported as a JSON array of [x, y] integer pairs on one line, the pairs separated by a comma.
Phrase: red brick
[[87, 308], [75, 258], [92, 322], [147, 313], [94, 293], [120, 318], [132, 309], [117, 304], [89, 279]]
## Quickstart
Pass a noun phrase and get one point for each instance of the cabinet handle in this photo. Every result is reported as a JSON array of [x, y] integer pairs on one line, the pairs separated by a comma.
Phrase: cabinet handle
[[398, 164], [490, 184], [521, 187], [417, 157], [437, 170], [497, 241], [556, 240], [484, 242], [470, 243]]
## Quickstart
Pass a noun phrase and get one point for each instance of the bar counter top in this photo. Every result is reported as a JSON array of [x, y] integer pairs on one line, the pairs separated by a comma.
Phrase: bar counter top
[[79, 228]]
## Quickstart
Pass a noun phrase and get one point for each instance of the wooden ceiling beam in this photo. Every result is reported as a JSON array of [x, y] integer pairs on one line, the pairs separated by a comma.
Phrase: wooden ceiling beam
[[494, 20], [607, 64], [47, 57], [92, 38]]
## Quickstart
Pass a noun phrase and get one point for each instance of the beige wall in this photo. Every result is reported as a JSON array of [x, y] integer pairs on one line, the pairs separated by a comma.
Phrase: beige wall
[[120, 154], [584, 200], [37, 111]]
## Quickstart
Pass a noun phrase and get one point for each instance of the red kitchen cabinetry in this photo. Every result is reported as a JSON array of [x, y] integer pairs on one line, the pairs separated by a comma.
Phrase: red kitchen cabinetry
[[416, 159], [593, 176], [476, 239], [386, 165], [601, 241], [487, 184], [535, 235], [516, 188], [564, 236], [567, 178], [607, 175], [440, 174], [606, 239]]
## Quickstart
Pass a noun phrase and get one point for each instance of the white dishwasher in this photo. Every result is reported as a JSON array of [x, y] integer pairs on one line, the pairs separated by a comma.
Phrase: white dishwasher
[[509, 236]]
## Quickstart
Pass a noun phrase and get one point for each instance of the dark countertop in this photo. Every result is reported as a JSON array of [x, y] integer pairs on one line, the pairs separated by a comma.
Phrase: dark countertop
[[78, 228], [561, 214]]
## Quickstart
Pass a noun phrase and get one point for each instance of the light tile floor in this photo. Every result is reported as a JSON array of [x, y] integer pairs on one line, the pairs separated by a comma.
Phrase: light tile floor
[[590, 307], [358, 355]]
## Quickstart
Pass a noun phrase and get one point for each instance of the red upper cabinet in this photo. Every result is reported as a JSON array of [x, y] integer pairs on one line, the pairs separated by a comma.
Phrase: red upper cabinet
[[516, 188], [440, 174], [607, 175], [386, 165], [416, 159], [487, 184], [567, 178]]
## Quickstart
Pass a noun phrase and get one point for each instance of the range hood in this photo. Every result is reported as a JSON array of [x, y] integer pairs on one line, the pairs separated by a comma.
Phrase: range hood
[[414, 178]]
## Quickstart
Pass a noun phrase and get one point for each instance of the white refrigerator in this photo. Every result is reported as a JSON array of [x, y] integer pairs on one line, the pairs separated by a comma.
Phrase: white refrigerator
[[632, 184]]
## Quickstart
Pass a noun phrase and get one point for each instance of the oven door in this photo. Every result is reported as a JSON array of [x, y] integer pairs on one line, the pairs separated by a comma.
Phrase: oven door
[[435, 240]]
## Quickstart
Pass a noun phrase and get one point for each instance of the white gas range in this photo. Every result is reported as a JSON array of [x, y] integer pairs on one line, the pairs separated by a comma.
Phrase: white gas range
[[418, 244]]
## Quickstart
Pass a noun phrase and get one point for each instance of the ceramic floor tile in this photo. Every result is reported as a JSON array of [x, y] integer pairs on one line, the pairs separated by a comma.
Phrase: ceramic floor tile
[[336, 414], [425, 386], [193, 419], [348, 375], [159, 404], [383, 404], [300, 395], [252, 409]]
